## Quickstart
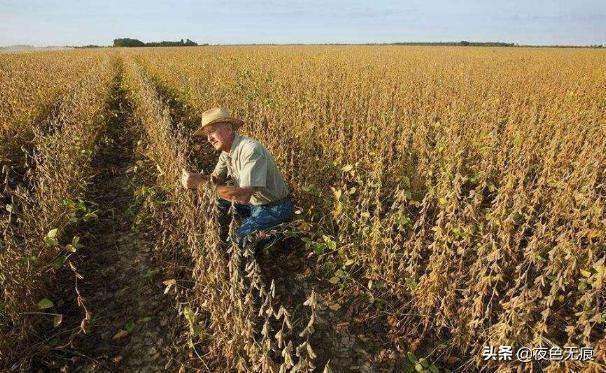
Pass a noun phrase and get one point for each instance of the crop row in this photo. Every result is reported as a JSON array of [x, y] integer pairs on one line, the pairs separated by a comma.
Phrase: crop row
[[41, 208], [469, 184], [230, 311]]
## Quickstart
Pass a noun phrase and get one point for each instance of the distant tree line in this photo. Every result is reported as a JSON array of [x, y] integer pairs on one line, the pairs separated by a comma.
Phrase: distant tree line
[[127, 42], [89, 46], [464, 43]]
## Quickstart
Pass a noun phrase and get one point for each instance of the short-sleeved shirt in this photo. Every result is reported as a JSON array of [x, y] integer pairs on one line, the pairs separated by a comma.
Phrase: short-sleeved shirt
[[249, 164]]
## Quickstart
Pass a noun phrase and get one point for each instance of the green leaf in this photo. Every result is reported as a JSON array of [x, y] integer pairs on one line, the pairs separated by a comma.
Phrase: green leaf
[[51, 238], [130, 326], [410, 283], [52, 233], [329, 242], [424, 362], [319, 248], [411, 357], [190, 316], [150, 273], [334, 280], [585, 273], [29, 259], [404, 221], [90, 216], [45, 304], [59, 261], [457, 232], [76, 242]]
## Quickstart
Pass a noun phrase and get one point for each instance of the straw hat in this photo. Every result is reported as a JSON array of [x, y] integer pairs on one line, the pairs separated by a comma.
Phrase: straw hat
[[217, 115]]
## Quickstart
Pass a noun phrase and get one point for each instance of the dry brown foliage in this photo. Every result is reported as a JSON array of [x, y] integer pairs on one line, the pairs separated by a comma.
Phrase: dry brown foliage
[[230, 309], [35, 243], [469, 182]]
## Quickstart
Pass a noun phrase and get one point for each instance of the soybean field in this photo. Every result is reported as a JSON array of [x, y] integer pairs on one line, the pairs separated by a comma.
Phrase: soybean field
[[449, 200]]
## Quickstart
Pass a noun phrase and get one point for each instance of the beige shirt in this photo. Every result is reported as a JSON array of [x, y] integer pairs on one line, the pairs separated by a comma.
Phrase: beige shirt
[[249, 164]]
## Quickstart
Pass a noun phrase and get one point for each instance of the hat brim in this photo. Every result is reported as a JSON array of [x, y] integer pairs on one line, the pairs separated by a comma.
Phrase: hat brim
[[235, 122]]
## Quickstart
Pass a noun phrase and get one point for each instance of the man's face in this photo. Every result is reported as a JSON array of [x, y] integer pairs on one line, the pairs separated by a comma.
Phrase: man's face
[[220, 136]]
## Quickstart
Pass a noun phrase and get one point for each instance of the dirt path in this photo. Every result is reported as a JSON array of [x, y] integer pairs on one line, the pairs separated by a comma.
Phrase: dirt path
[[133, 321]]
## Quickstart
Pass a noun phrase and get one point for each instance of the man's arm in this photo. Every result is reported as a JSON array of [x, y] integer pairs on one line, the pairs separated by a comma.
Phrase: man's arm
[[234, 193], [254, 173], [231, 193]]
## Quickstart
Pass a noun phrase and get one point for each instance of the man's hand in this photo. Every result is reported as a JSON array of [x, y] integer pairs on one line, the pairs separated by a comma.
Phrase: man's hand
[[192, 180], [217, 180]]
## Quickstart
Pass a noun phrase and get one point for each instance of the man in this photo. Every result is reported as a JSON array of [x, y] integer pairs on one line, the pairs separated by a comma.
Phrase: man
[[260, 195]]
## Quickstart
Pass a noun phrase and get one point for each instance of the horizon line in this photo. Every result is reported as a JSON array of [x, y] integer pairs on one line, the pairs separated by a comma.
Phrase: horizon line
[[429, 43]]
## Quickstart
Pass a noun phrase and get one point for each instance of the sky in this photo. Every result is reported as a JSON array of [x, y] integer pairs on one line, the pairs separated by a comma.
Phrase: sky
[[542, 22]]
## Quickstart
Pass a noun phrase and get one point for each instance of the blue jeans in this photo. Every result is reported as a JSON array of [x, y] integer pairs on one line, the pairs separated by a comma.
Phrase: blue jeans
[[258, 218]]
